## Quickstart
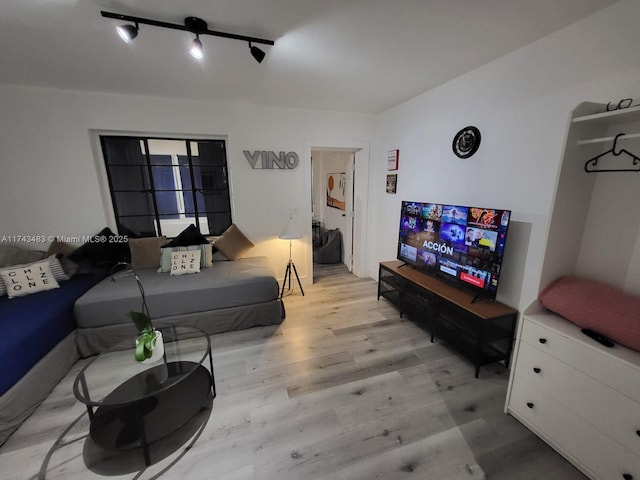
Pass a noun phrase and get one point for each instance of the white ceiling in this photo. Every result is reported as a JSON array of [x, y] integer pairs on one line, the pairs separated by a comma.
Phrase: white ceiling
[[342, 55]]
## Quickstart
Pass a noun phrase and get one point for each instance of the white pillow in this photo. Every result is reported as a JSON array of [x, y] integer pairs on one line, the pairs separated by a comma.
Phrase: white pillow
[[54, 264], [56, 268], [27, 279], [166, 255], [185, 262]]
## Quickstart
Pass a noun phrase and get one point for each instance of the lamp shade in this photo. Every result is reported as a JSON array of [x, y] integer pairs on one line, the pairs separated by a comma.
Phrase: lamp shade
[[257, 54], [196, 49], [290, 232], [127, 32]]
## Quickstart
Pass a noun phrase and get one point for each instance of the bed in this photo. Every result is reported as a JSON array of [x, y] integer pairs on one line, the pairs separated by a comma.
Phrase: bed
[[230, 295], [37, 348]]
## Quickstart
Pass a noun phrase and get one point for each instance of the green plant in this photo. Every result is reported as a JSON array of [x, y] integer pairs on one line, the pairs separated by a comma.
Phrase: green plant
[[146, 341], [147, 336]]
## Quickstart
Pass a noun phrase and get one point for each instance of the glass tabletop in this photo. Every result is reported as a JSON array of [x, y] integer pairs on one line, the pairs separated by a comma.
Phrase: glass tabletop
[[115, 377]]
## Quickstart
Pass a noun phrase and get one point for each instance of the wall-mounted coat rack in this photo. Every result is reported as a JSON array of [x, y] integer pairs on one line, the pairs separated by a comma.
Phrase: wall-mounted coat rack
[[591, 165]]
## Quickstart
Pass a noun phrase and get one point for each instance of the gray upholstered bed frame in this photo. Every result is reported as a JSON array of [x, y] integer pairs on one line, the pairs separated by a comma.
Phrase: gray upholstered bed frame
[[230, 295]]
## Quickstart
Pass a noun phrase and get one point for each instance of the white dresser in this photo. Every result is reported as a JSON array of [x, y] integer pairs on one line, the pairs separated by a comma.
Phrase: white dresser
[[580, 397]]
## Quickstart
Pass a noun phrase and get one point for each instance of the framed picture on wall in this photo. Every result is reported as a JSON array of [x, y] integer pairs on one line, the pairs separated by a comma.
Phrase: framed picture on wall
[[336, 188], [392, 182], [392, 159]]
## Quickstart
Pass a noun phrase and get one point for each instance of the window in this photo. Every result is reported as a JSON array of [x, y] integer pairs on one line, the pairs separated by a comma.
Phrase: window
[[160, 186]]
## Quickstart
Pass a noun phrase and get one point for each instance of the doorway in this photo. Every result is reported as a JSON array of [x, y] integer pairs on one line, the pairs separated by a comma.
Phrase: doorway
[[339, 191], [332, 211]]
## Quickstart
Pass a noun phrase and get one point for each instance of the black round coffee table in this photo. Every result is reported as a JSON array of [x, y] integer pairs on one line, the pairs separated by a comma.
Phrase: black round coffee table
[[133, 404]]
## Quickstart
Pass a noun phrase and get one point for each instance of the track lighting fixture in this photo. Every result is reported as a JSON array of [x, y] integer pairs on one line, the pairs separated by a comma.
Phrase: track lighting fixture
[[127, 32], [196, 48], [256, 53], [194, 25]]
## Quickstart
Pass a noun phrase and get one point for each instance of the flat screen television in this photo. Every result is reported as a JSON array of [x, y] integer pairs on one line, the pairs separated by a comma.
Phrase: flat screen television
[[460, 244]]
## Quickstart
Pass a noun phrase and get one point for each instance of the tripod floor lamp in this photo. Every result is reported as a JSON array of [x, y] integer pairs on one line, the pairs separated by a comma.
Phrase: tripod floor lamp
[[290, 233]]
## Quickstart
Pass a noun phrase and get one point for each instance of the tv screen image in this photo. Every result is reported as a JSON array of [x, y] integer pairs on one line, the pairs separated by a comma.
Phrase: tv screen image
[[455, 214], [409, 252], [432, 211], [461, 244], [453, 235]]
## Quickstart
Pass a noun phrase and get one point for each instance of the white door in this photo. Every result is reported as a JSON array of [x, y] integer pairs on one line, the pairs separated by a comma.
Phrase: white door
[[347, 234]]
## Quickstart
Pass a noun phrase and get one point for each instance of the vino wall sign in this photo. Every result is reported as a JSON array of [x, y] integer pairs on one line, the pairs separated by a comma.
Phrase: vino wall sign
[[270, 160]]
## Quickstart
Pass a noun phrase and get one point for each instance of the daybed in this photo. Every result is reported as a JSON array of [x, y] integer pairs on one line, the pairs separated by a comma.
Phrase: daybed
[[229, 295], [37, 348], [45, 333]]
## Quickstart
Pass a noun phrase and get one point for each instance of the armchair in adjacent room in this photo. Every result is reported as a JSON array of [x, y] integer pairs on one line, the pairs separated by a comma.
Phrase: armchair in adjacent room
[[328, 247]]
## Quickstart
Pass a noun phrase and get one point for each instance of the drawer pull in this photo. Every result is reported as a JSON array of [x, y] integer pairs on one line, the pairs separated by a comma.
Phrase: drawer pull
[[529, 404], [627, 476], [542, 340], [638, 432], [536, 369]]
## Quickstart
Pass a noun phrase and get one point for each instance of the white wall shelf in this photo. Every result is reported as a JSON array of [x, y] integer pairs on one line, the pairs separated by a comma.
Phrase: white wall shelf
[[607, 139], [612, 118]]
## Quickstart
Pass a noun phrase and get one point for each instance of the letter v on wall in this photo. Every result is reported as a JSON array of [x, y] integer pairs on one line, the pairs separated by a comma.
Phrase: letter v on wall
[[252, 158]]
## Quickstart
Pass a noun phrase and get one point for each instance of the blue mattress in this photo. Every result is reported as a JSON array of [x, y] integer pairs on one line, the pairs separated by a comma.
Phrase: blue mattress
[[31, 326]]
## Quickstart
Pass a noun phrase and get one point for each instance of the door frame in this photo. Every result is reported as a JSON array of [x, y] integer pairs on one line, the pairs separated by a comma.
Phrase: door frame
[[360, 196]]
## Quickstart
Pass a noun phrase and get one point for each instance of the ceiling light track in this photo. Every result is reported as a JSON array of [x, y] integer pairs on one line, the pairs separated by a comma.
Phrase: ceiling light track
[[193, 25]]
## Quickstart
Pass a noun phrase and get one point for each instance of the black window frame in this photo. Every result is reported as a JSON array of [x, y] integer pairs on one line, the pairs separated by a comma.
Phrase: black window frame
[[149, 185]]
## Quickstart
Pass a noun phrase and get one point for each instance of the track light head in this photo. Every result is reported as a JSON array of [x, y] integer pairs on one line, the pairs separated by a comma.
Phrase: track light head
[[256, 53], [196, 48], [127, 32]]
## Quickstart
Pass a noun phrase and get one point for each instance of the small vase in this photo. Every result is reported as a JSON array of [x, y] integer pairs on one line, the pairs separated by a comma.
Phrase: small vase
[[158, 349]]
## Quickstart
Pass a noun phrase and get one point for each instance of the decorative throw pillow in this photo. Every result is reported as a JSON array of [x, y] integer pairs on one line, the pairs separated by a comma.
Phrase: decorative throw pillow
[[28, 279], [206, 256], [189, 236], [54, 264], [145, 252], [56, 268], [594, 305], [101, 253], [233, 243], [185, 262], [62, 250], [16, 255], [216, 255]]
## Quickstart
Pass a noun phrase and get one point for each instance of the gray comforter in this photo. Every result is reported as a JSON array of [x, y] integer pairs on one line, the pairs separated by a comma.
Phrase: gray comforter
[[226, 284]]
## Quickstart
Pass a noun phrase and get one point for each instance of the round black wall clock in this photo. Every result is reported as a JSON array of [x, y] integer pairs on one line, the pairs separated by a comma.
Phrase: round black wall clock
[[466, 142]]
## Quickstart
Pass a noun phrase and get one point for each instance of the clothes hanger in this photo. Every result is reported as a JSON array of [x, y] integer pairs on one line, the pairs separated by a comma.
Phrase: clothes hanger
[[624, 103], [591, 166]]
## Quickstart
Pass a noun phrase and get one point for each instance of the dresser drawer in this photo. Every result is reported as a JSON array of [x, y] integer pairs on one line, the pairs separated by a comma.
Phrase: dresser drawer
[[584, 445], [613, 413], [617, 367]]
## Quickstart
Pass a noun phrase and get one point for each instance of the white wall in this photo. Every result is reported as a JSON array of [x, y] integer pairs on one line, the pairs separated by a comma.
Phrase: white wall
[[50, 181], [521, 104]]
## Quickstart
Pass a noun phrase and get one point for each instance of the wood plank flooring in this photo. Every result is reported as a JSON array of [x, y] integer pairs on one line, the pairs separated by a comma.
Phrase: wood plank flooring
[[343, 389]]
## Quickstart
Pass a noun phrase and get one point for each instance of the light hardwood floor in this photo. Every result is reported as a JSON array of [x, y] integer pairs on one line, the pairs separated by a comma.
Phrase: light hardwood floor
[[343, 389]]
